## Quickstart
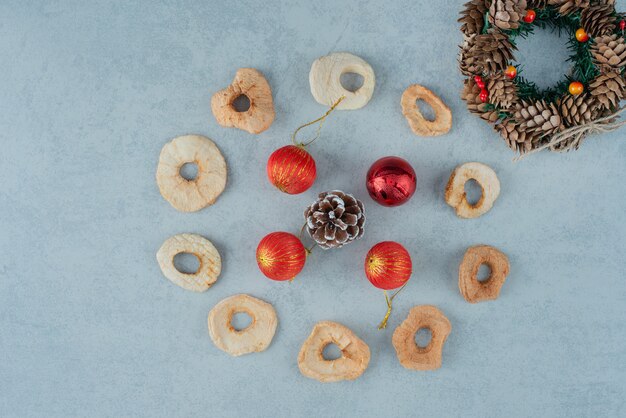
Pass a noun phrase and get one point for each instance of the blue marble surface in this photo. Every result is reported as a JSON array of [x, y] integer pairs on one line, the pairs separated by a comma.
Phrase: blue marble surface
[[91, 90]]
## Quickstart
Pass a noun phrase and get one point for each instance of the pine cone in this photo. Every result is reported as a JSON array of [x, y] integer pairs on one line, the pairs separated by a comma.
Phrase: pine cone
[[578, 110], [473, 17], [517, 138], [568, 6], [608, 89], [609, 53], [506, 14], [486, 54], [470, 94], [334, 219], [598, 19], [502, 92], [538, 118]]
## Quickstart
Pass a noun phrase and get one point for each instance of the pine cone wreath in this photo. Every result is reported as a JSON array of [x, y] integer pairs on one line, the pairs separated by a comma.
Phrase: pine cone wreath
[[506, 14], [608, 89], [486, 54], [609, 53], [566, 7], [578, 110], [471, 95], [473, 17], [517, 138], [335, 219], [502, 92], [538, 118], [598, 19]]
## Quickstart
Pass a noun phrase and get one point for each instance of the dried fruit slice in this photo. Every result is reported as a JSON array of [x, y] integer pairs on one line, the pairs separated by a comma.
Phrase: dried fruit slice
[[455, 189], [412, 356], [479, 291], [208, 257], [355, 354], [259, 116], [203, 190], [418, 123], [255, 337], [325, 80]]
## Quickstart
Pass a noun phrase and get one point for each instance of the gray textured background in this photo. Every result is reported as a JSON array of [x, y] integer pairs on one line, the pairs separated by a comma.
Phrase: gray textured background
[[89, 326]]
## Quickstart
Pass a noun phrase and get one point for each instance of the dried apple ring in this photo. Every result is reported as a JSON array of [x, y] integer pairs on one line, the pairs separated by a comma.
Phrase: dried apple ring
[[418, 123], [208, 257], [255, 337], [479, 291], [455, 189], [203, 190], [355, 354], [411, 355], [259, 116], [325, 80]]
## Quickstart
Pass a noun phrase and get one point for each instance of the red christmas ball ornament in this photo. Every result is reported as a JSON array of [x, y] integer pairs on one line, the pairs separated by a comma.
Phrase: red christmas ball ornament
[[622, 24], [291, 169], [281, 256], [391, 181], [484, 96], [388, 266], [530, 16]]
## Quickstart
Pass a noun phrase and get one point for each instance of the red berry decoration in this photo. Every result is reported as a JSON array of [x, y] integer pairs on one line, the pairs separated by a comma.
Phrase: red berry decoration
[[479, 81], [530, 16], [281, 256], [511, 72], [581, 35], [391, 181], [291, 169], [576, 88], [622, 24], [388, 266], [484, 96]]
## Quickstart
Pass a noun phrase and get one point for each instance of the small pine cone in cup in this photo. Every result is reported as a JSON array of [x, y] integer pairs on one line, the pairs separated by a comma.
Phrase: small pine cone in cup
[[335, 219]]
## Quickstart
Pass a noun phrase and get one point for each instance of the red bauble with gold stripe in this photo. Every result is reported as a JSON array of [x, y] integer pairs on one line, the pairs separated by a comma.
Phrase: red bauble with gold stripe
[[388, 265], [280, 256], [291, 169]]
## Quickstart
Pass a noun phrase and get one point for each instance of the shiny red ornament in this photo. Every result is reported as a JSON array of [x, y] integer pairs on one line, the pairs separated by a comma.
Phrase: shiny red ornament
[[388, 265], [391, 181], [291, 169], [622, 24], [484, 96], [530, 16], [479, 81], [281, 256]]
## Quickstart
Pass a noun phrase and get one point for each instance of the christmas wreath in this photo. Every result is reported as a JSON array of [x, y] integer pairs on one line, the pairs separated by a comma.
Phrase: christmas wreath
[[561, 117]]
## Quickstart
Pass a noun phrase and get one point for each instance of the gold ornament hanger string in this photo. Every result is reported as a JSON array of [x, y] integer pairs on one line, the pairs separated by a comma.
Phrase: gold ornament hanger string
[[321, 120], [389, 300]]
